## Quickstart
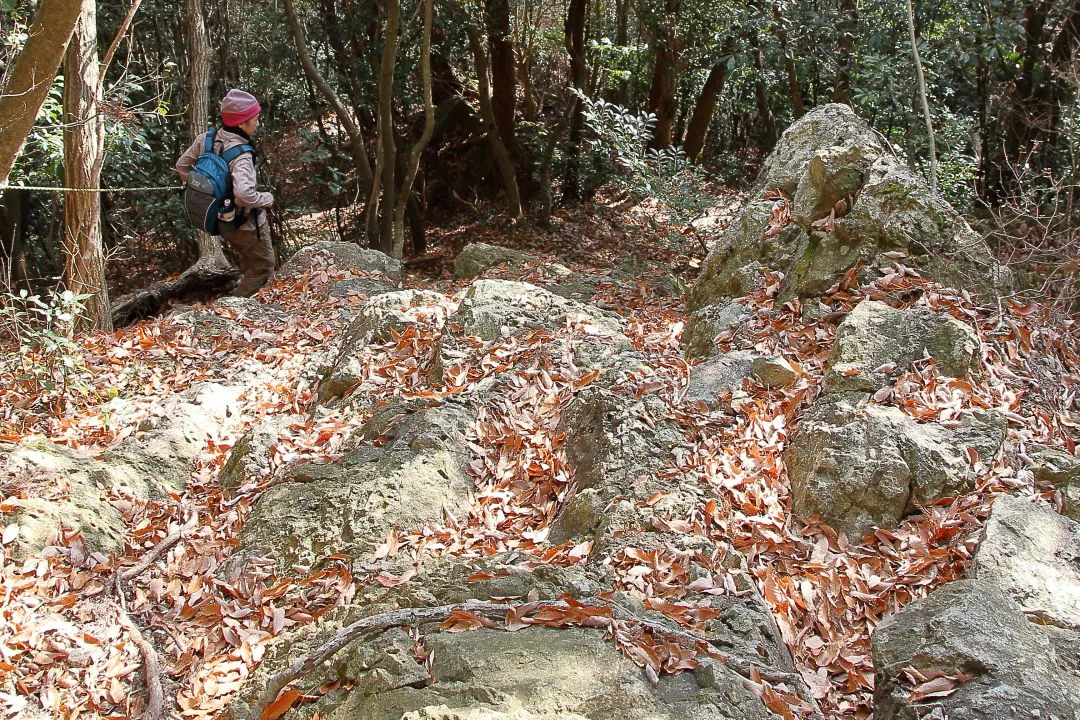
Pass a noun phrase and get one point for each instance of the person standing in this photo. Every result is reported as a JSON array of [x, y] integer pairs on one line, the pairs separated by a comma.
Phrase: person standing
[[251, 238]]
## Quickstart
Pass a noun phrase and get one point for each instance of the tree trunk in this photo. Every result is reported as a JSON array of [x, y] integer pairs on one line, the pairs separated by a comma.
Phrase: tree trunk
[[845, 50], [210, 251], [575, 48], [32, 76], [921, 89], [1039, 93], [698, 129], [352, 129], [662, 91], [429, 126], [798, 109], [83, 156], [503, 73], [487, 114], [386, 156], [767, 130], [14, 215]]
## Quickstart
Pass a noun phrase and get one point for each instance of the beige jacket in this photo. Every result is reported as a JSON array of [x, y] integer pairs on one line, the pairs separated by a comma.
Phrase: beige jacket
[[245, 191]]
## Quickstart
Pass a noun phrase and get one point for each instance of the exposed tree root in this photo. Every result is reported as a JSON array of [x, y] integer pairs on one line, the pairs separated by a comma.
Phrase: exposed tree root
[[497, 611], [199, 278]]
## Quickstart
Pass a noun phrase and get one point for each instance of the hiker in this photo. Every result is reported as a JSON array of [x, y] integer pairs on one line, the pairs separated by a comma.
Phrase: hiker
[[249, 233]]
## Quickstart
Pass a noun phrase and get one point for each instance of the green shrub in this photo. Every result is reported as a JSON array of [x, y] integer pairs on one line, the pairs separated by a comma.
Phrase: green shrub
[[37, 347]]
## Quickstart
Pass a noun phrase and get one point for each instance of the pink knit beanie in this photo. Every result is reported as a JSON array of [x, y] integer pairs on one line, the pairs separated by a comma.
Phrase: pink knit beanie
[[238, 107]]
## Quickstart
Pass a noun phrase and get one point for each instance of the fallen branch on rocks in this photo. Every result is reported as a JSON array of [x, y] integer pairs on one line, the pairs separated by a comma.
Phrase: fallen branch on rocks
[[199, 278], [419, 616]]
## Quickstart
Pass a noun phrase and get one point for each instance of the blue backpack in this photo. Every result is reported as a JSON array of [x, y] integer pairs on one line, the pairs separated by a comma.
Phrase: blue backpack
[[209, 192]]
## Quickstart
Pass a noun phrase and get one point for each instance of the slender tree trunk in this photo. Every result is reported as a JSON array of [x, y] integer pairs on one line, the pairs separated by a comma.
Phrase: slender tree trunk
[[418, 148], [83, 156], [210, 252], [386, 166], [767, 132], [503, 73], [698, 129], [352, 129], [662, 91], [575, 48], [921, 87], [798, 108], [845, 50], [529, 107], [32, 76], [487, 114], [125, 25]]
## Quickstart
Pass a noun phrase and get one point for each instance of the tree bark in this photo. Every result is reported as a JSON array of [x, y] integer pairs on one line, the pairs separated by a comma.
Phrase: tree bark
[[429, 127], [487, 114], [386, 155], [210, 251], [662, 91], [352, 129], [84, 272], [921, 87], [574, 30], [698, 128], [32, 76], [503, 72]]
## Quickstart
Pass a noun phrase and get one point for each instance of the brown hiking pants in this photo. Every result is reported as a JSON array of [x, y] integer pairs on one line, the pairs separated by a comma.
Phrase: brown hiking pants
[[255, 256]]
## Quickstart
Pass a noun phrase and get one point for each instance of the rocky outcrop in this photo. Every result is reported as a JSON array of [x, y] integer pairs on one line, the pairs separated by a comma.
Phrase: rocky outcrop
[[475, 258], [616, 447], [155, 462], [862, 465], [706, 324], [987, 660], [250, 457], [1000, 645], [876, 343], [849, 201], [415, 474], [378, 320], [1033, 555], [341, 255], [494, 309], [1059, 470]]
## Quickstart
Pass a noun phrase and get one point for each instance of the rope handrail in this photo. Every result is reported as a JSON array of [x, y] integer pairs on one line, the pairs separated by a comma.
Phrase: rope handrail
[[46, 188]]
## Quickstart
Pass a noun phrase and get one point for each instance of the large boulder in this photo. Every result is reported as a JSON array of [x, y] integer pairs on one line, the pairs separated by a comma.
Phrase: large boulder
[[849, 201], [414, 474], [971, 643], [1033, 554], [876, 343], [862, 465], [475, 258]]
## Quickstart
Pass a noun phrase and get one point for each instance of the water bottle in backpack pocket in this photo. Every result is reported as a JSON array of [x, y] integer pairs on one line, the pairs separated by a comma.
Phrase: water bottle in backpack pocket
[[208, 196]]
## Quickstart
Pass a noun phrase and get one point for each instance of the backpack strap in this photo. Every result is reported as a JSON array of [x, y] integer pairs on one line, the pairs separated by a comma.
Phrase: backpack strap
[[208, 146], [234, 152]]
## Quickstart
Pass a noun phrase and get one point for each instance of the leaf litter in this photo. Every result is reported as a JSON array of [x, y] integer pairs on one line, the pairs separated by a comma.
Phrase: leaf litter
[[62, 647]]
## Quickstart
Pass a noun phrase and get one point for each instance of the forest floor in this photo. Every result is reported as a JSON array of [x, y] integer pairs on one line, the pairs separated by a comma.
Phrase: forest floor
[[827, 593]]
